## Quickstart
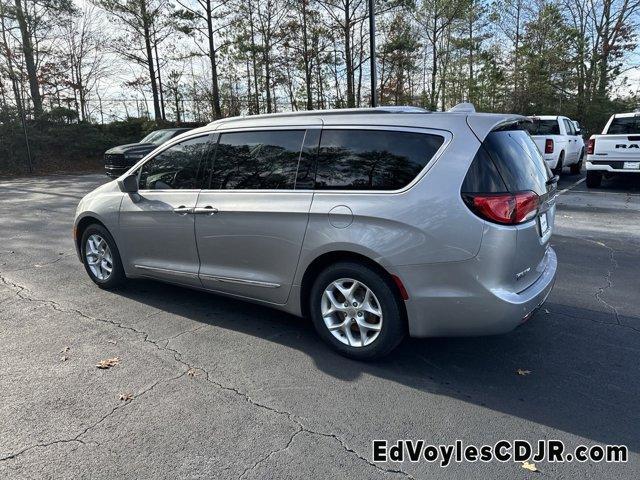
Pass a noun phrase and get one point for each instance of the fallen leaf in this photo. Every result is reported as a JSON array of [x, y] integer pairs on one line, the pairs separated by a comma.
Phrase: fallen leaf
[[65, 350], [192, 372], [112, 342], [530, 466], [126, 397], [546, 310], [108, 363], [523, 372], [64, 358]]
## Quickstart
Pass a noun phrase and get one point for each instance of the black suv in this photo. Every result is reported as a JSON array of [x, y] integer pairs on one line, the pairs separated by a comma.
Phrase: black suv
[[118, 160]]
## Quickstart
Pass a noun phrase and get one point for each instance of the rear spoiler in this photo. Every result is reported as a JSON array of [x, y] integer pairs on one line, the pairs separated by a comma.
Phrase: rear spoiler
[[482, 124]]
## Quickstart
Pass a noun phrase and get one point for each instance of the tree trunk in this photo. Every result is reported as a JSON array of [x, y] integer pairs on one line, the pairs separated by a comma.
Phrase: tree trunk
[[215, 92], [351, 99], [150, 63], [29, 60]]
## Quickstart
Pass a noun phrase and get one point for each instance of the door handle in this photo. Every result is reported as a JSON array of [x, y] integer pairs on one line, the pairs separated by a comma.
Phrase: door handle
[[208, 210], [182, 210]]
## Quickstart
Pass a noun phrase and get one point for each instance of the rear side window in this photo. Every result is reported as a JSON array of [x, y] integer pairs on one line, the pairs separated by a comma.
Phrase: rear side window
[[625, 126], [507, 161], [257, 160], [542, 127], [518, 160], [372, 159]]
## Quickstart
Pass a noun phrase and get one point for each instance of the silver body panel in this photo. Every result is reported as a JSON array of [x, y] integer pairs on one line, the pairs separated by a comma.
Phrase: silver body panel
[[457, 268]]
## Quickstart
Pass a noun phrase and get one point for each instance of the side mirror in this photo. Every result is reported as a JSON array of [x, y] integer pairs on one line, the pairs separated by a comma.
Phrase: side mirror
[[129, 184]]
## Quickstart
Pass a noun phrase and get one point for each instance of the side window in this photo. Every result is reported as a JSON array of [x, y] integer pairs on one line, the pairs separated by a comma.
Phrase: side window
[[372, 159], [257, 160], [176, 168], [569, 126]]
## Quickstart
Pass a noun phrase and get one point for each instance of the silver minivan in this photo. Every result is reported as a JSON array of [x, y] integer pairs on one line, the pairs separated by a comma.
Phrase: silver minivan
[[374, 223]]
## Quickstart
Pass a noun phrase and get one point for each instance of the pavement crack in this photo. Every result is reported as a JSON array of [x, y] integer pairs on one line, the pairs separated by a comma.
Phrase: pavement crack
[[22, 292], [77, 439], [613, 265], [271, 454]]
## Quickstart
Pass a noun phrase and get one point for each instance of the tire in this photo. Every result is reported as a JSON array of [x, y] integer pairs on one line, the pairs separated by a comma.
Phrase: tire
[[594, 179], [559, 165], [116, 277], [348, 340], [577, 167]]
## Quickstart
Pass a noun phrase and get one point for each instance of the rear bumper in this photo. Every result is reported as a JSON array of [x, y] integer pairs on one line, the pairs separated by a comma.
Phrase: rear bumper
[[613, 166], [551, 160], [467, 308]]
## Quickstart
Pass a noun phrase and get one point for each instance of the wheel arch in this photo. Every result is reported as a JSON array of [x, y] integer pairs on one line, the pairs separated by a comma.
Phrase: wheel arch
[[321, 262], [81, 226]]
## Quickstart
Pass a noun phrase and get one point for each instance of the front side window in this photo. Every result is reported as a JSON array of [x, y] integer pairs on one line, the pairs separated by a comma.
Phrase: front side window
[[176, 168], [257, 160], [372, 159]]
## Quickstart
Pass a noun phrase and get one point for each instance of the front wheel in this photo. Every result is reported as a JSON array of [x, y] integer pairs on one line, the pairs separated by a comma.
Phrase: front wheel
[[357, 311], [101, 257], [594, 179]]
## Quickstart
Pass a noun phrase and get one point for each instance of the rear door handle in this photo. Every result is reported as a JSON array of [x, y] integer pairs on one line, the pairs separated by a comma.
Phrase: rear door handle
[[182, 210], [208, 210]]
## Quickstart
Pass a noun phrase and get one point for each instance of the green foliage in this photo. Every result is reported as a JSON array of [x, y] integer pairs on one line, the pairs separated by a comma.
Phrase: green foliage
[[58, 145]]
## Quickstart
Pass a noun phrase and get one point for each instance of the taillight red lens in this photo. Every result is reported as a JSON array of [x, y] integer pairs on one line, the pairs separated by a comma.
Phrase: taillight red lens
[[505, 208], [591, 146], [548, 146]]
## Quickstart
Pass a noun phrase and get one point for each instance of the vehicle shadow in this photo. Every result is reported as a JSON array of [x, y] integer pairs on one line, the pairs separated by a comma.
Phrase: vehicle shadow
[[575, 385]]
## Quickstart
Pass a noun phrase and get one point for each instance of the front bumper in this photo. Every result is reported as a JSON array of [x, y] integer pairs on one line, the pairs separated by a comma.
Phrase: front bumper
[[115, 172], [467, 308]]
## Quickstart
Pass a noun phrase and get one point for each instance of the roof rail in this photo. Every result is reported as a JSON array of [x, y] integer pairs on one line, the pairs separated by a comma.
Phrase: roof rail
[[337, 111], [464, 107]]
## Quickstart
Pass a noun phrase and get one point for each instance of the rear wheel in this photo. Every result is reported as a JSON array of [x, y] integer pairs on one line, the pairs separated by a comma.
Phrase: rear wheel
[[576, 167], [594, 179], [101, 257], [559, 165], [356, 311]]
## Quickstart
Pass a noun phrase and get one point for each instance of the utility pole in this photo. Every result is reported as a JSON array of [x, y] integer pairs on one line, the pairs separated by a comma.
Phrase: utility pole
[[372, 47]]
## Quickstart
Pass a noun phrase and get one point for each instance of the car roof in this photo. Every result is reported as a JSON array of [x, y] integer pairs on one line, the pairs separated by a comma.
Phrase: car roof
[[545, 117], [627, 115], [462, 116]]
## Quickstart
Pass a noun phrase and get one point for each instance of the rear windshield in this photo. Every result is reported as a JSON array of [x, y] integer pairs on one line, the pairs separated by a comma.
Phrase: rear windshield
[[508, 160], [625, 125], [542, 127]]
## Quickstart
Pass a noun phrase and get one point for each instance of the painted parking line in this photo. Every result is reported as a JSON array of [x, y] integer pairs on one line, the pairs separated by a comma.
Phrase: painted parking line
[[575, 184]]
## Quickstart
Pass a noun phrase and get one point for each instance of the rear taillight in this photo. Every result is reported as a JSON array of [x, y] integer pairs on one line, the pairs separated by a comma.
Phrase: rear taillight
[[505, 208], [591, 146], [548, 146]]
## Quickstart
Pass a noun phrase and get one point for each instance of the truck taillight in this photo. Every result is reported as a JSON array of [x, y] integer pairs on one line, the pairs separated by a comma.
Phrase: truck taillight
[[591, 146], [548, 146]]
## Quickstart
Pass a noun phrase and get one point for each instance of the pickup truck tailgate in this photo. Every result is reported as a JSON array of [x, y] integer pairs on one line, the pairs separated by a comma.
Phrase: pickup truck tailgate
[[617, 147]]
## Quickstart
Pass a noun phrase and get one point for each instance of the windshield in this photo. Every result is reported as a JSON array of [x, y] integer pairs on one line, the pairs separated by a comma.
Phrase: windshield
[[625, 125], [158, 137], [542, 127]]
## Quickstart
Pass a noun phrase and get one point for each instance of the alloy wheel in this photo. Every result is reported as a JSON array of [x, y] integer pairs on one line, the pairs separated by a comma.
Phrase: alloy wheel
[[98, 256], [351, 312]]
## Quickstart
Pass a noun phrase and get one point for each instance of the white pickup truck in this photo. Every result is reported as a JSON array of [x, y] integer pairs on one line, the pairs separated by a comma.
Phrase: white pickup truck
[[559, 140], [616, 150]]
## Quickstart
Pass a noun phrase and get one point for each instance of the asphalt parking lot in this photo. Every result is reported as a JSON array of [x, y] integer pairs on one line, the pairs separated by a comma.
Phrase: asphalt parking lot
[[209, 387]]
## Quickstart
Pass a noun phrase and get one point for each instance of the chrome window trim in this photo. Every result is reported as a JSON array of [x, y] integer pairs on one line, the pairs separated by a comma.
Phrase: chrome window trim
[[447, 135]]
